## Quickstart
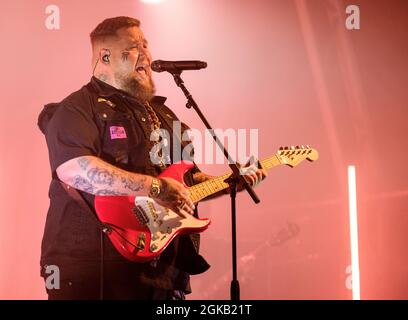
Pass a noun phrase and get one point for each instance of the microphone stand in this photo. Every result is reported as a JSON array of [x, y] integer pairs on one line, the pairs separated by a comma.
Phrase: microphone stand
[[233, 180]]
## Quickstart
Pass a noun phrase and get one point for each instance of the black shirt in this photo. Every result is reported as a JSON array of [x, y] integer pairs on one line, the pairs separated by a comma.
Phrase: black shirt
[[81, 125]]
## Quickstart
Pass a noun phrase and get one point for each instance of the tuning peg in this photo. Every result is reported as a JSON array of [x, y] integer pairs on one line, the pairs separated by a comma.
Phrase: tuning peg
[[297, 147], [280, 148], [307, 146], [286, 148], [292, 147]]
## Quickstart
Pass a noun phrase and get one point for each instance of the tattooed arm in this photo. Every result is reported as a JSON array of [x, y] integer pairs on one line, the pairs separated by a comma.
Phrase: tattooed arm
[[93, 175]]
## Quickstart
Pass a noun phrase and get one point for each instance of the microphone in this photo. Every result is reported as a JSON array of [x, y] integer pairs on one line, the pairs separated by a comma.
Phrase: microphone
[[177, 66]]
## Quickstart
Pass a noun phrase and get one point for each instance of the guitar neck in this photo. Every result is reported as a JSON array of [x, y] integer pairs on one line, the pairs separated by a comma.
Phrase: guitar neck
[[207, 188]]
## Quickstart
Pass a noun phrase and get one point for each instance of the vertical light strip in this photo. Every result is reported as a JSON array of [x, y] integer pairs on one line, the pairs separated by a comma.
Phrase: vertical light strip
[[355, 267]]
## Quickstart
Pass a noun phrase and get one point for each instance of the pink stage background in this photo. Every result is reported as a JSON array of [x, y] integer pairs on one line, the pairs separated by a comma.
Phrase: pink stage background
[[288, 68]]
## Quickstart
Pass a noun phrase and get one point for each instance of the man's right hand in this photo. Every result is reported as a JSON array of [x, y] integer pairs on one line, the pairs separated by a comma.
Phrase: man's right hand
[[175, 196]]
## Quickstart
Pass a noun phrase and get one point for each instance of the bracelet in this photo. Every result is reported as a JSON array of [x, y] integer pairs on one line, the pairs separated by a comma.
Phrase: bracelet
[[154, 188]]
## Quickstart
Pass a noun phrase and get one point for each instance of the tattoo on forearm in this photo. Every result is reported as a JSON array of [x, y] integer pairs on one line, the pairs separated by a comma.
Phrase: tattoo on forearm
[[82, 184], [109, 192], [83, 163], [100, 179], [133, 184], [101, 176]]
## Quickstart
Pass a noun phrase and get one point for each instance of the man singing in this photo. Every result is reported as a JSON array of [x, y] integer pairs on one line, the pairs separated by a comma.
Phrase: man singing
[[99, 143]]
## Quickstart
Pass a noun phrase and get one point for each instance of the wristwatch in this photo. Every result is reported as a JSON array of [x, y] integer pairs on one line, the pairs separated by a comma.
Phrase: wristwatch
[[154, 188]]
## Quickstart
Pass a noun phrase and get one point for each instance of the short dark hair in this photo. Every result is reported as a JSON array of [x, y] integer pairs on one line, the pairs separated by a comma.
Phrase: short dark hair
[[109, 27]]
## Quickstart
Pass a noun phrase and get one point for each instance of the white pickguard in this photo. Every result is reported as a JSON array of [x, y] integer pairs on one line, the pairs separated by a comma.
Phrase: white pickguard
[[163, 222]]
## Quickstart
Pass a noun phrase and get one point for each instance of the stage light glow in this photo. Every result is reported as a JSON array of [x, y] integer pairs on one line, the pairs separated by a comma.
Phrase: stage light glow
[[355, 267]]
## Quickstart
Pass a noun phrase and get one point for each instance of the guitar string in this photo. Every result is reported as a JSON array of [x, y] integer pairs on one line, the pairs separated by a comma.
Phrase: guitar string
[[204, 189]]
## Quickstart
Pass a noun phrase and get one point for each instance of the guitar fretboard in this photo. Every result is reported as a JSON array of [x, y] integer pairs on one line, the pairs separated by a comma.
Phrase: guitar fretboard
[[212, 186]]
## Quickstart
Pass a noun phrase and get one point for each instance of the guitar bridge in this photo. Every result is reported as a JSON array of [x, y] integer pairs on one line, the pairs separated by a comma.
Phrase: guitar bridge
[[140, 215]]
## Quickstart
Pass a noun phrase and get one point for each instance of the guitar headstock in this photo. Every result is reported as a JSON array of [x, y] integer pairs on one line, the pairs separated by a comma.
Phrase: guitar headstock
[[292, 156]]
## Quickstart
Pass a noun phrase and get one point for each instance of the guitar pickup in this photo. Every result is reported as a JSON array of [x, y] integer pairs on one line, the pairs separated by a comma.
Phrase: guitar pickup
[[140, 215]]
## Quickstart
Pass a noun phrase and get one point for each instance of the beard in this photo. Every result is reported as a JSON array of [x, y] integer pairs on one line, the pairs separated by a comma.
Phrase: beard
[[142, 92]]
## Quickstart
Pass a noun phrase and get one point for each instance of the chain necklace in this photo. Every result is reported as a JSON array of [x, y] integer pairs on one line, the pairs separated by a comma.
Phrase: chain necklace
[[154, 119], [153, 116]]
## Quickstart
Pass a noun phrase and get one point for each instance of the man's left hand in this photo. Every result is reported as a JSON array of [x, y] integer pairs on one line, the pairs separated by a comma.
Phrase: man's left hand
[[253, 175]]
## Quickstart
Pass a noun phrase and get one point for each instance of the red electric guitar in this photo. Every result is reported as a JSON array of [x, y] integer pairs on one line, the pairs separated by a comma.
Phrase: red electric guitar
[[141, 229]]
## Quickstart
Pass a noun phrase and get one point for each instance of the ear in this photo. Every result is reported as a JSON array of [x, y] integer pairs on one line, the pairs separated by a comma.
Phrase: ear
[[104, 55]]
